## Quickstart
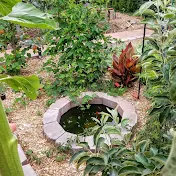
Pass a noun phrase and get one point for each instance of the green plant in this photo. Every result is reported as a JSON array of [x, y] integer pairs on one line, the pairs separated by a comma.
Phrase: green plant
[[125, 67], [83, 49], [115, 157], [169, 168], [32, 157], [158, 62]]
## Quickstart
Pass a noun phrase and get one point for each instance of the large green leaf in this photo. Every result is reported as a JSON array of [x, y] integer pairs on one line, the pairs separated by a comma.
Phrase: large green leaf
[[145, 6], [160, 158], [129, 170], [141, 159], [78, 155], [29, 16], [28, 84], [6, 6]]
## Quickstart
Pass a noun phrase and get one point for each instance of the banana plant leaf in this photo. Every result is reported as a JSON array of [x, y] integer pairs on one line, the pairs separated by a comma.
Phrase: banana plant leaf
[[29, 16]]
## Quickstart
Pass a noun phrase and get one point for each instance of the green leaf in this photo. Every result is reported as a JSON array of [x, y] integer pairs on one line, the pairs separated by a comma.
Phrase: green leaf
[[28, 84], [83, 145], [153, 151], [112, 151], [124, 122], [127, 138], [88, 169], [115, 162], [169, 15], [101, 141], [146, 172], [95, 161], [142, 145], [129, 170], [29, 16], [81, 161], [160, 158], [106, 158], [6, 6], [78, 155], [141, 159], [145, 6], [97, 168], [97, 134]]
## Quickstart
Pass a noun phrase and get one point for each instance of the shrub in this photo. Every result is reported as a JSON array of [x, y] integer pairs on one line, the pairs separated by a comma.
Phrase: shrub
[[82, 48]]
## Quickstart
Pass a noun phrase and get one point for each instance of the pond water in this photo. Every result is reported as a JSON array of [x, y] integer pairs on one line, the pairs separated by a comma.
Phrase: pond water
[[76, 120]]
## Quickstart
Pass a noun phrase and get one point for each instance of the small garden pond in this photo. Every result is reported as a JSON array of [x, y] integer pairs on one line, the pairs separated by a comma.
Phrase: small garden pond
[[77, 119]]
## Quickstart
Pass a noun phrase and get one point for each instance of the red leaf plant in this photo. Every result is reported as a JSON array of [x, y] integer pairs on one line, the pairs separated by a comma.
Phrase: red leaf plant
[[125, 67]]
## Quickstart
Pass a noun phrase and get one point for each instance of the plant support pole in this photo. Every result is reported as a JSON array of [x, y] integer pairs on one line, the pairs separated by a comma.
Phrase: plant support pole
[[10, 164], [143, 46]]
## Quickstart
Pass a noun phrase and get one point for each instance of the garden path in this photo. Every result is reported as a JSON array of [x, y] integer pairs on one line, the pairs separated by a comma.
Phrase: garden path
[[130, 35]]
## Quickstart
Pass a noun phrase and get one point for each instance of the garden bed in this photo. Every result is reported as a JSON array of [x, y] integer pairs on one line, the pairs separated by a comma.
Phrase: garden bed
[[124, 22], [30, 128]]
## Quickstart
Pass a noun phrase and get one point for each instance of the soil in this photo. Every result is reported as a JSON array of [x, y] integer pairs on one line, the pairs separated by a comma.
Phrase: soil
[[124, 22]]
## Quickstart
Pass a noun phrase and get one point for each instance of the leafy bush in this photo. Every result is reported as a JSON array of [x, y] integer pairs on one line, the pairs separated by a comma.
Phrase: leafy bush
[[125, 67], [82, 48], [115, 157], [158, 62]]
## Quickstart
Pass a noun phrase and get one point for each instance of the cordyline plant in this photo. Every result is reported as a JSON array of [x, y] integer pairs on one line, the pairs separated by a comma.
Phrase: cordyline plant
[[125, 67], [26, 15]]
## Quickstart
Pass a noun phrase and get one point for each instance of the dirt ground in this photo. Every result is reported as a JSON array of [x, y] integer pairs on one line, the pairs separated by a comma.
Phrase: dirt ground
[[124, 22]]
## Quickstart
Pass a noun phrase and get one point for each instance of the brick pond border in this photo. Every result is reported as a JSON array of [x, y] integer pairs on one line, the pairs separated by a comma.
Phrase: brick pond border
[[54, 131]]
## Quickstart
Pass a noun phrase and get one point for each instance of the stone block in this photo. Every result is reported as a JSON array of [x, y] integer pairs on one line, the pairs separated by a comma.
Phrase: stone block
[[125, 106], [62, 102], [53, 130], [51, 115], [132, 116], [28, 171], [63, 140], [22, 156]]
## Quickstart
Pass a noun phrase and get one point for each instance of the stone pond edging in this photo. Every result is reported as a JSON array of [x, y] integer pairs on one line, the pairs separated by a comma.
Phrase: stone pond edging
[[54, 131], [27, 169]]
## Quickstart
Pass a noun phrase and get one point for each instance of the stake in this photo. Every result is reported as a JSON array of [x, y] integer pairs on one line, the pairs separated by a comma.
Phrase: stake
[[143, 46]]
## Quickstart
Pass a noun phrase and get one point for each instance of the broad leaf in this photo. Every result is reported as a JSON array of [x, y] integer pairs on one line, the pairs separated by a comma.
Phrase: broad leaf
[[78, 155], [160, 158], [95, 161], [29, 16], [129, 170], [145, 6], [6, 6], [28, 84]]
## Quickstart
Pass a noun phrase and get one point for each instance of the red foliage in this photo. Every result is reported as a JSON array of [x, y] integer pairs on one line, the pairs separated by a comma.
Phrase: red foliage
[[125, 67]]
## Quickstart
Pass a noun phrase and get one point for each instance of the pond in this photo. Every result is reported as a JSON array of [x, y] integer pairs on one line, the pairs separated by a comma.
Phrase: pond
[[77, 119]]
